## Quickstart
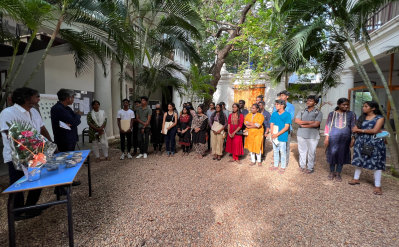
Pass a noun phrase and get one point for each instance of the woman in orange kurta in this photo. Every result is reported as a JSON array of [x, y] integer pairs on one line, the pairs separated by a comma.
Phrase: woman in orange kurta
[[254, 141]]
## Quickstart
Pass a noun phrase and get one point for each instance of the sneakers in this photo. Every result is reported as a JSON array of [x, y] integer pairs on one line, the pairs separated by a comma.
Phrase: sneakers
[[129, 156], [145, 156], [122, 156], [139, 156]]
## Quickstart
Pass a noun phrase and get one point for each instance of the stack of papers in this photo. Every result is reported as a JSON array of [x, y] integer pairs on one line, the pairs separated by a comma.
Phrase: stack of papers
[[64, 126]]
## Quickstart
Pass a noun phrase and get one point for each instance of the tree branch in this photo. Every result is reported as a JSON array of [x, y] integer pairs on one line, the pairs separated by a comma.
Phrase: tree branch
[[245, 11], [222, 23]]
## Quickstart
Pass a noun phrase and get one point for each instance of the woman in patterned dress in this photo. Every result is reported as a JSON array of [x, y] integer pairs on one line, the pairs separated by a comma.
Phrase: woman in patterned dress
[[339, 138], [234, 141], [198, 131], [97, 120], [369, 124], [183, 128]]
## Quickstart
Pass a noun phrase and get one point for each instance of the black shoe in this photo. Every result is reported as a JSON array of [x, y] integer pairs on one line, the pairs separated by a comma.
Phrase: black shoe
[[76, 183]]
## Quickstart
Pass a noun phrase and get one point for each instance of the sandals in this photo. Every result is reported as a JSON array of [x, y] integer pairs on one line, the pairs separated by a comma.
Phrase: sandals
[[377, 191], [307, 171], [232, 160], [273, 168], [238, 162], [331, 176], [301, 169], [338, 177], [252, 163], [354, 182], [199, 156], [260, 164], [281, 171]]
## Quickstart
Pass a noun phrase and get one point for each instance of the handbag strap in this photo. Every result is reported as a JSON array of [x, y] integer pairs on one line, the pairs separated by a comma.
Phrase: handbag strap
[[332, 122]]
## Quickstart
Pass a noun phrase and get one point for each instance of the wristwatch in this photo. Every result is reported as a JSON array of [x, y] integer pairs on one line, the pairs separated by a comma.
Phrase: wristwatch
[[363, 131]]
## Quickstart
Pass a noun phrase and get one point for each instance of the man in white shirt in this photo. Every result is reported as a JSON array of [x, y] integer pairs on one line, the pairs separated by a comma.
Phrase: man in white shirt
[[22, 110], [126, 114]]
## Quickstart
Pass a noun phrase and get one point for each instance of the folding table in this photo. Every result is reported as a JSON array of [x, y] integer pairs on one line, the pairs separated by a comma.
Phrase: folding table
[[60, 177]]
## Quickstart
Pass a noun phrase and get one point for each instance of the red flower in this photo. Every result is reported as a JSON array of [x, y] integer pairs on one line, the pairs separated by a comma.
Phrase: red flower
[[27, 133], [32, 141], [21, 141], [21, 148]]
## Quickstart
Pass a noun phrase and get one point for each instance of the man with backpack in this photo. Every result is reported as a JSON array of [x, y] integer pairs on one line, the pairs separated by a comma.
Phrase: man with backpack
[[308, 134]]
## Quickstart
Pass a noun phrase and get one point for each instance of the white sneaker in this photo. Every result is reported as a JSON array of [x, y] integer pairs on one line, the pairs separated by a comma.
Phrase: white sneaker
[[145, 156], [122, 156], [129, 156], [139, 156]]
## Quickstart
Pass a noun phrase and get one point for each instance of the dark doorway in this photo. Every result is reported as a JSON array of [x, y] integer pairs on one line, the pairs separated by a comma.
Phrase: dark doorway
[[167, 100]]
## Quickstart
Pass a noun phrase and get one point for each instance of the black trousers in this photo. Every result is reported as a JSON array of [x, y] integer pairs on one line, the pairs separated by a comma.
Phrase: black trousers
[[66, 147], [144, 139], [135, 139], [128, 136], [33, 195]]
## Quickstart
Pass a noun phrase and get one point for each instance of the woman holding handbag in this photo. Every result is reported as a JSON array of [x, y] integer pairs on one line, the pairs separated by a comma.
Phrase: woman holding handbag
[[169, 129], [339, 138], [183, 128], [218, 123], [369, 151], [234, 137]]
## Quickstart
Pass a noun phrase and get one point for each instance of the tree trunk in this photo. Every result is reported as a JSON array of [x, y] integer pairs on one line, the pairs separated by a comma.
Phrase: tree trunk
[[384, 82], [12, 79], [57, 28], [392, 143], [224, 52]]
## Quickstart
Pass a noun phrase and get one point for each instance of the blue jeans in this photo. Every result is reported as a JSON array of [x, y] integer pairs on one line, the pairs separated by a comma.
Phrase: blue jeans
[[280, 149], [338, 169], [170, 140]]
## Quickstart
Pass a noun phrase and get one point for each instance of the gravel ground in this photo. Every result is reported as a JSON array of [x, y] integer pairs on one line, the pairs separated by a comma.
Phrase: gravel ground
[[183, 201]]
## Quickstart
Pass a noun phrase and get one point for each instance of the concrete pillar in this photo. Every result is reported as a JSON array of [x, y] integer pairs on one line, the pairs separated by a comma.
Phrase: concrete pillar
[[116, 97], [102, 93], [347, 82]]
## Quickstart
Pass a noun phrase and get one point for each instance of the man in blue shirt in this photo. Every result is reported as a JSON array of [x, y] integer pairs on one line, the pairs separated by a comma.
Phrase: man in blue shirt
[[282, 119], [290, 108], [266, 122]]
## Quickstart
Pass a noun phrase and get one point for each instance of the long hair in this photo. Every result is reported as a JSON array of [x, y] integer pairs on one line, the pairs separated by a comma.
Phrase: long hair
[[238, 111], [362, 117], [222, 119], [341, 101], [202, 108], [187, 109]]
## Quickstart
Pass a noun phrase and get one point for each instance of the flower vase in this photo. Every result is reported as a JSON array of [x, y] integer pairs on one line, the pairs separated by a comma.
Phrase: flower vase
[[32, 174]]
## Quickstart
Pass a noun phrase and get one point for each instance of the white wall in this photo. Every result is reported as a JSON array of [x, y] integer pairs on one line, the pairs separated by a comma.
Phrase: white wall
[[59, 73], [30, 63]]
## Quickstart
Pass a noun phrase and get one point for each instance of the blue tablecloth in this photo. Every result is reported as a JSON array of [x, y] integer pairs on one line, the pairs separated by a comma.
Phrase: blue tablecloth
[[61, 176]]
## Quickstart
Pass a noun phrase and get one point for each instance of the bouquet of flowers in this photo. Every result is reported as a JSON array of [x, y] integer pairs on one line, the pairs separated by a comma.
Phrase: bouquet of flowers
[[29, 149]]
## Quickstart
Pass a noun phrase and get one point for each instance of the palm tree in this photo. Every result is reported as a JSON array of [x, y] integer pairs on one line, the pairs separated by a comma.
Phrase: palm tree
[[334, 24], [197, 84]]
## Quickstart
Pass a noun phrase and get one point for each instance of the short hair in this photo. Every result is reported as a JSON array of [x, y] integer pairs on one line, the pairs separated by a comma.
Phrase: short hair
[[281, 102], [213, 103], [315, 98], [137, 101], [262, 102], [63, 94], [144, 98], [128, 101], [285, 92], [95, 101], [21, 94], [279, 94], [259, 96], [241, 100]]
